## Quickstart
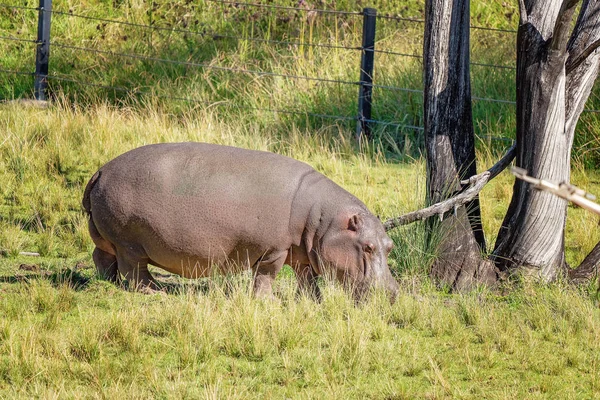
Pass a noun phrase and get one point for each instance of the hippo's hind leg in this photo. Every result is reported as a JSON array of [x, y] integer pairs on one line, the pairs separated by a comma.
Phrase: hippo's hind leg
[[106, 264], [307, 281], [134, 268], [103, 255], [265, 271]]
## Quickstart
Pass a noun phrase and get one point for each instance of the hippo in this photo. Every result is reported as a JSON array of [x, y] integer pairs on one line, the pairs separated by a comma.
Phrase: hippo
[[194, 209]]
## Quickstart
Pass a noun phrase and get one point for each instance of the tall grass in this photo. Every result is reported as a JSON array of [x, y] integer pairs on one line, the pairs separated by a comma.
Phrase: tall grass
[[65, 333], [223, 38], [99, 341], [234, 94]]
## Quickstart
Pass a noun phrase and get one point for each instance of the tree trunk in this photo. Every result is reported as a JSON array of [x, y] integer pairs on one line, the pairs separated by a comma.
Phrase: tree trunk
[[551, 93], [450, 144]]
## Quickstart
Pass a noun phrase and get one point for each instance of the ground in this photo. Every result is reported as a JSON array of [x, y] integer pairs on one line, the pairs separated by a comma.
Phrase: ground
[[66, 333]]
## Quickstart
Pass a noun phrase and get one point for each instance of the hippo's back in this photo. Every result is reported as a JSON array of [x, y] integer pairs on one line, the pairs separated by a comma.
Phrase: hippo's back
[[191, 196]]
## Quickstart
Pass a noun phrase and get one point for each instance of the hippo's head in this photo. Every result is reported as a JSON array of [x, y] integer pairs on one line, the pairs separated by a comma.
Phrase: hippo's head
[[354, 249]]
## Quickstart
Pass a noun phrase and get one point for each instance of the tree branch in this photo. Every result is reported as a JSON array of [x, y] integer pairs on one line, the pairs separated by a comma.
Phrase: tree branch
[[585, 34], [501, 165], [442, 207], [588, 269], [523, 17], [477, 183], [582, 69], [563, 190], [560, 35], [575, 61]]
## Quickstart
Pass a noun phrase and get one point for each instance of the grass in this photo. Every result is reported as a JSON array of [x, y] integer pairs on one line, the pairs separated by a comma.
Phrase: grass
[[234, 93], [61, 339], [66, 334]]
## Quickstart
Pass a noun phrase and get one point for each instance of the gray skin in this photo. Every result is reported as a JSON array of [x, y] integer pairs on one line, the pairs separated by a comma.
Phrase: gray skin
[[194, 209]]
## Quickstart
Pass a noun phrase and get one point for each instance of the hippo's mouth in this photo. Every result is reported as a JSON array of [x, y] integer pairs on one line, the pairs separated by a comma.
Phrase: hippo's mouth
[[365, 266]]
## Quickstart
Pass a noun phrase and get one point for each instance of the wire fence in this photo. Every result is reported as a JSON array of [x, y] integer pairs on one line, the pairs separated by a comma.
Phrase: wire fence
[[365, 86]]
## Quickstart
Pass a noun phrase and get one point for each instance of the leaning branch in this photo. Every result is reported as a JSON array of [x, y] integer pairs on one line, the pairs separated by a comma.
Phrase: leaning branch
[[501, 165], [440, 208], [560, 35], [563, 190], [575, 61], [588, 269], [476, 182]]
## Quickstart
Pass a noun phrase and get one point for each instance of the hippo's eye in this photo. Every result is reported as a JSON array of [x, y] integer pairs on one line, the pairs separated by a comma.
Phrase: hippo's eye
[[369, 248]]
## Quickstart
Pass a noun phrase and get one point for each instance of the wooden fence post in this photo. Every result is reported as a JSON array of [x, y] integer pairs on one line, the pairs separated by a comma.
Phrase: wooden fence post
[[43, 50], [366, 73]]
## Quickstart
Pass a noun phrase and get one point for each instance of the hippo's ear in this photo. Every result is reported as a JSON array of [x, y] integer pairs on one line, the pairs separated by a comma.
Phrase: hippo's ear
[[355, 223]]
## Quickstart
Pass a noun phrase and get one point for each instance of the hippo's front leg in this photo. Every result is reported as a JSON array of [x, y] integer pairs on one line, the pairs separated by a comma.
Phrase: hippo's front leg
[[265, 271], [307, 281]]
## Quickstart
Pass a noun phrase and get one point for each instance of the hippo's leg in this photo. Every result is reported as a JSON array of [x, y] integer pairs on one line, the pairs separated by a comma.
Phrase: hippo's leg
[[135, 269], [307, 281], [106, 264], [265, 271]]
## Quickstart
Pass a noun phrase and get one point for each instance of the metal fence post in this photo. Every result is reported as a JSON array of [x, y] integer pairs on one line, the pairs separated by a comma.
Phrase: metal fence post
[[43, 50], [366, 73]]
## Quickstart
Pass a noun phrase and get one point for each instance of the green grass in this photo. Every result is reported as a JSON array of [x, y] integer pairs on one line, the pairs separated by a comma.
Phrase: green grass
[[233, 93], [66, 334], [77, 337]]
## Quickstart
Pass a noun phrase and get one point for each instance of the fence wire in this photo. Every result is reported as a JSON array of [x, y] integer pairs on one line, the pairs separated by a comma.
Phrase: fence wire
[[258, 73], [422, 21], [211, 35], [19, 7], [10, 71], [207, 103], [224, 104], [276, 7], [202, 65], [16, 39], [214, 35]]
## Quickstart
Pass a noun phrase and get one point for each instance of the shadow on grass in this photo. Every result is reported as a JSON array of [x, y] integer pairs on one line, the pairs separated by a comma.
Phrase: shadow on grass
[[173, 285], [71, 277], [80, 280]]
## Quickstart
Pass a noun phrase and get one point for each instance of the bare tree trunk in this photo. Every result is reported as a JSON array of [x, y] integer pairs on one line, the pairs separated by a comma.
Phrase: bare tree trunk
[[450, 143], [551, 92]]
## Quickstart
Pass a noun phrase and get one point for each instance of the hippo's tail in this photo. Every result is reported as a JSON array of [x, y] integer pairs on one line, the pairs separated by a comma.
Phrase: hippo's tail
[[87, 204]]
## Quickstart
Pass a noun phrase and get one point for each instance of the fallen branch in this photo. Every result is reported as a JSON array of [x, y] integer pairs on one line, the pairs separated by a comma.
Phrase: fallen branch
[[29, 254], [476, 182], [563, 190]]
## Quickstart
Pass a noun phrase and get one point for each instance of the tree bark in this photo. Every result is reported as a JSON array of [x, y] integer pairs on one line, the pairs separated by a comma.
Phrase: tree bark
[[450, 144], [549, 102], [589, 267]]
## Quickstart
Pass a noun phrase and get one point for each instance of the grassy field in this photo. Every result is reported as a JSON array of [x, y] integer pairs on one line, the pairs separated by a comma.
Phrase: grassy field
[[66, 334]]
